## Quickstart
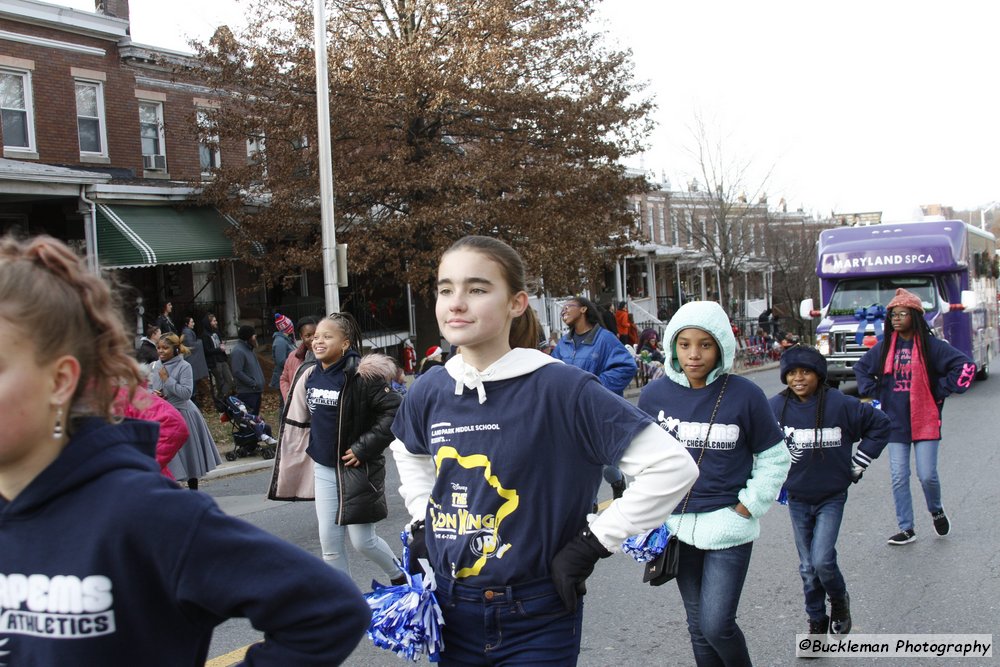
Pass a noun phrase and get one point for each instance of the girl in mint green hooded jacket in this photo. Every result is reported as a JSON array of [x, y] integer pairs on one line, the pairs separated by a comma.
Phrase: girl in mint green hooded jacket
[[726, 425]]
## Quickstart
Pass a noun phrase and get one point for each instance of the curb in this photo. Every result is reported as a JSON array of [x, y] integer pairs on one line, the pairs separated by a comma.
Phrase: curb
[[227, 468]]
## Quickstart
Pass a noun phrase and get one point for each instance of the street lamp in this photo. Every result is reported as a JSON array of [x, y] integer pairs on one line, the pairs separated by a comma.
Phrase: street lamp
[[984, 211], [331, 289]]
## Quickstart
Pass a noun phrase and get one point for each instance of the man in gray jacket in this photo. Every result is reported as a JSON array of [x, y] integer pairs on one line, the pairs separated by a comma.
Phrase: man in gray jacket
[[246, 369]]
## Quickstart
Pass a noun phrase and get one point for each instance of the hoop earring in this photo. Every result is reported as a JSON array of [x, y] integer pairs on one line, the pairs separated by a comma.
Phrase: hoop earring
[[57, 430]]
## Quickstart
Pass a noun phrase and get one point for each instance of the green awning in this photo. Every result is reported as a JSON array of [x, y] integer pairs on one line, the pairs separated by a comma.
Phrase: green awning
[[130, 236]]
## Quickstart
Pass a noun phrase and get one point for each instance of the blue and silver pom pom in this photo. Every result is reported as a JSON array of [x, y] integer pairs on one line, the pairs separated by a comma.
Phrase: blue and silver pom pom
[[406, 619], [644, 548]]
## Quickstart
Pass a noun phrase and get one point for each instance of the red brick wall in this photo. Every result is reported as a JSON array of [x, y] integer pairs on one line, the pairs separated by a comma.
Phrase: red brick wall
[[55, 105], [53, 88]]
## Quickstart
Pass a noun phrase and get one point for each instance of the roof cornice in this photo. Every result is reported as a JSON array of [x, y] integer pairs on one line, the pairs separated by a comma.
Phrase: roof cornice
[[44, 14]]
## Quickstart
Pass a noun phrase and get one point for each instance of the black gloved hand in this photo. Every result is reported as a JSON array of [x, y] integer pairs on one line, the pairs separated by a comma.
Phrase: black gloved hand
[[417, 542], [573, 564], [856, 473]]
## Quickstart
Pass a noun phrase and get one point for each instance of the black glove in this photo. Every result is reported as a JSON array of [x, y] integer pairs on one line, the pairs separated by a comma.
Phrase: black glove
[[856, 473], [573, 564], [417, 542]]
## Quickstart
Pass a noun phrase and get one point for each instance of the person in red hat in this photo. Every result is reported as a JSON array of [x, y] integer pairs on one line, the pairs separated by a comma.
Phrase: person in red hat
[[432, 357], [911, 372], [282, 345]]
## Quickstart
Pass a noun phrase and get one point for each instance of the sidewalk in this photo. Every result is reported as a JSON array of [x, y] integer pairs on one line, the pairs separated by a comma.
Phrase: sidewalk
[[255, 463]]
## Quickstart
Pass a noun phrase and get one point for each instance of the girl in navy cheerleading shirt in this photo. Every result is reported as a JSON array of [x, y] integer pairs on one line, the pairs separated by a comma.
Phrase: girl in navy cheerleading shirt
[[500, 451], [334, 432], [911, 372], [742, 461], [103, 560], [821, 425]]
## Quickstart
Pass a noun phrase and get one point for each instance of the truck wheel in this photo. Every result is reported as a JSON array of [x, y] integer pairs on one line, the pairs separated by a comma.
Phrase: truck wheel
[[984, 372]]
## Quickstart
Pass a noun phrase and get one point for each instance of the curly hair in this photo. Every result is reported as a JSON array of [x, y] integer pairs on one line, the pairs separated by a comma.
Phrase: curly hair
[[46, 288]]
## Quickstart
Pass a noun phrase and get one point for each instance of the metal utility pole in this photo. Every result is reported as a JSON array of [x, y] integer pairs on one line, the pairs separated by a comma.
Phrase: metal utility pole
[[328, 227]]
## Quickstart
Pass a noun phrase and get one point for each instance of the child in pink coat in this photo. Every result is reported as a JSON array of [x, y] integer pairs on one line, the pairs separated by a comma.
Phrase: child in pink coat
[[150, 407]]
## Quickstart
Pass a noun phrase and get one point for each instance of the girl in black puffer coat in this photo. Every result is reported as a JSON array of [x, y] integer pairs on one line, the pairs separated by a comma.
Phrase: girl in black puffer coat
[[334, 431]]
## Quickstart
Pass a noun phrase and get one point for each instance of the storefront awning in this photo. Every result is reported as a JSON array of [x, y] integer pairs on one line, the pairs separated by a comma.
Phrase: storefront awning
[[131, 236]]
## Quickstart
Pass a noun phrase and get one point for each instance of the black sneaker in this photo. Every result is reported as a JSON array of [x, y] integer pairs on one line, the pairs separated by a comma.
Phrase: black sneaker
[[904, 537], [941, 524], [820, 627], [840, 615]]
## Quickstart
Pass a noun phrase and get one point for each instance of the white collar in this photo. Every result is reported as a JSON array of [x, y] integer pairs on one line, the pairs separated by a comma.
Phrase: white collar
[[519, 361]]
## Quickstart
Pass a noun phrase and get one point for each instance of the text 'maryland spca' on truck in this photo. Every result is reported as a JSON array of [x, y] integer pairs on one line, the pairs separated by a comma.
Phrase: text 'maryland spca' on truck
[[950, 265]]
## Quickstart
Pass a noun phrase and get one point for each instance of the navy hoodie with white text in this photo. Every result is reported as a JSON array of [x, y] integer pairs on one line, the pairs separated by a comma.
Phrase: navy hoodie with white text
[[821, 458], [103, 561]]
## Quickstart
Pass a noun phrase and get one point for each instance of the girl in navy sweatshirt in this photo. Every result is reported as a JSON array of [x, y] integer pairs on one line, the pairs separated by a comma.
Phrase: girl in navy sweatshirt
[[334, 432], [501, 451], [104, 560], [821, 426], [724, 422]]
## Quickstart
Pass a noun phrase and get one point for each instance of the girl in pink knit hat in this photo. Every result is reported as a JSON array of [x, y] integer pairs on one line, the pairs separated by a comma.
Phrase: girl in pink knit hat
[[911, 373]]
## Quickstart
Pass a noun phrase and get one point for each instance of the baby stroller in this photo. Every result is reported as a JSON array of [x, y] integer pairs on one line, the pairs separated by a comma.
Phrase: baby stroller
[[251, 435]]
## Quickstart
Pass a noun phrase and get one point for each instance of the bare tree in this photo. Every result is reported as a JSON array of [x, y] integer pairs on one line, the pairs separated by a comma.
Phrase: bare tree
[[790, 246], [725, 211]]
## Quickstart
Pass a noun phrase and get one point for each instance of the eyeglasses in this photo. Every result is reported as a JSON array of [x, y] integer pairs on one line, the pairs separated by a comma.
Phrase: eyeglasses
[[899, 315]]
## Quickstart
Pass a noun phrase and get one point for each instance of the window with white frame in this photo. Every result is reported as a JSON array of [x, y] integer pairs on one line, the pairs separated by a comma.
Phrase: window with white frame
[[256, 149], [209, 154], [16, 110], [90, 121], [151, 128]]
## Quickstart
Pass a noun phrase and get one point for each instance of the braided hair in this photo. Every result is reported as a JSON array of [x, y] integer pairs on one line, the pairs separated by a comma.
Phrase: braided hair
[[349, 327]]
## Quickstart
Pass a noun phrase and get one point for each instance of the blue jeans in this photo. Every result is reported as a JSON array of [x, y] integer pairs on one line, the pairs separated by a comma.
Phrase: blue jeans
[[331, 534], [926, 453], [816, 526], [710, 583], [523, 625]]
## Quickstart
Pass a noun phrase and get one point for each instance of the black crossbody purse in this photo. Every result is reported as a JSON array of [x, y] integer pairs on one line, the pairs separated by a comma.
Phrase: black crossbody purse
[[664, 567]]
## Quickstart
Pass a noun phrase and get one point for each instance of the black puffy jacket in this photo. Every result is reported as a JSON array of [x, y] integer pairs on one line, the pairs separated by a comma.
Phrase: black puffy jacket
[[367, 407]]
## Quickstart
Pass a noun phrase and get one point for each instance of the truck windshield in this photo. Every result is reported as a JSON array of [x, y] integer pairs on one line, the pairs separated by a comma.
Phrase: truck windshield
[[863, 292]]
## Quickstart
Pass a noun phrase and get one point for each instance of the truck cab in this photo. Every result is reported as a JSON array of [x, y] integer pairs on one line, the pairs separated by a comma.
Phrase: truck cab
[[948, 264]]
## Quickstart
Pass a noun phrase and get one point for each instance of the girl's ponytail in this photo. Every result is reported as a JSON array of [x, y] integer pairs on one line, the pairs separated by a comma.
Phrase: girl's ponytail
[[525, 331]]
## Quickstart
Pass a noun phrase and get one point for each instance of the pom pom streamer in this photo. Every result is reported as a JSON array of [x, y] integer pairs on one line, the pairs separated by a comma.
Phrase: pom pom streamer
[[644, 548], [406, 619]]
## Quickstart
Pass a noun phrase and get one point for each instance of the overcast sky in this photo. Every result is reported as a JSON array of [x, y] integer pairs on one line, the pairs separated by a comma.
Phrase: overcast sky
[[853, 106]]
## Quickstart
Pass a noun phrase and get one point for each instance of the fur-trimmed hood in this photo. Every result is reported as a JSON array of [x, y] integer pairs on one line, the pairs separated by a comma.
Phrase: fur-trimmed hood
[[377, 366]]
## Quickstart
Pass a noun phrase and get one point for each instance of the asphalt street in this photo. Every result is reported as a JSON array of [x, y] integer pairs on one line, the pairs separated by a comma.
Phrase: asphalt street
[[935, 585]]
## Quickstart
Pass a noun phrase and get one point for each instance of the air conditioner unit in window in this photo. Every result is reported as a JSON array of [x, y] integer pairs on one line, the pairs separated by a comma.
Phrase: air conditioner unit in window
[[154, 162]]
